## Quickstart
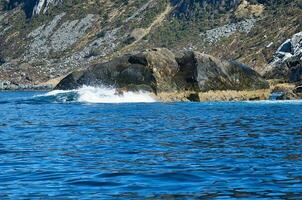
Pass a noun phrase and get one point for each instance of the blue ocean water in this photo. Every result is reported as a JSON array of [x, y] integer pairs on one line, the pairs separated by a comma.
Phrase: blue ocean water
[[54, 146]]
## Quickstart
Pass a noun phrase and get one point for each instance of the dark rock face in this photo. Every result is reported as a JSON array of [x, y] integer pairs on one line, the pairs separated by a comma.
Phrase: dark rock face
[[290, 95], [2, 61], [160, 70], [191, 8], [28, 5], [298, 89], [126, 71], [187, 8], [287, 63], [289, 70], [72, 81], [214, 74]]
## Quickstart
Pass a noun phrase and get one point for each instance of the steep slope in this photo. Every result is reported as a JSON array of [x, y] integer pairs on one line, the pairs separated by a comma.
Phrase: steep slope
[[46, 39], [68, 36], [249, 32]]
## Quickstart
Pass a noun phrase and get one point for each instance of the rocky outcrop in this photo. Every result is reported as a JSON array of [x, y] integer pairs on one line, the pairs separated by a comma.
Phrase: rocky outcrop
[[32, 7], [7, 85], [287, 61], [44, 5], [72, 35], [161, 71], [246, 9], [216, 34], [56, 38]]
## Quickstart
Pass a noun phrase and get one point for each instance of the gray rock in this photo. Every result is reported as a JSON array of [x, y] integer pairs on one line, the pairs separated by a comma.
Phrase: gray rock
[[39, 45], [2, 32], [44, 5], [287, 61], [7, 85], [216, 34], [296, 43], [70, 32], [55, 37], [1, 17], [4, 84]]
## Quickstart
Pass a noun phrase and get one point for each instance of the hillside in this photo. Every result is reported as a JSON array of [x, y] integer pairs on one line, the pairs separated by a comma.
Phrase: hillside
[[46, 39]]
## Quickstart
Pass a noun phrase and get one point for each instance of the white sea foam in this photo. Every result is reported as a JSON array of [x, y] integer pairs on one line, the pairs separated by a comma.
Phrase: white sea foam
[[275, 102], [56, 92], [88, 94]]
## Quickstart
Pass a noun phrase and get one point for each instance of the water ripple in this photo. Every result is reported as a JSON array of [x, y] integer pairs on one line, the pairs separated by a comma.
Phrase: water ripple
[[218, 150]]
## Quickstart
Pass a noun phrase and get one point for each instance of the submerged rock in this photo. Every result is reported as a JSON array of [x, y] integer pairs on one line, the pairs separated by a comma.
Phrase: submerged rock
[[159, 70]]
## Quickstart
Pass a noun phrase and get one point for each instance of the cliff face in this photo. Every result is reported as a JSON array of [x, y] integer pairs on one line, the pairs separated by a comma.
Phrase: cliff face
[[42, 6], [46, 39], [30, 7]]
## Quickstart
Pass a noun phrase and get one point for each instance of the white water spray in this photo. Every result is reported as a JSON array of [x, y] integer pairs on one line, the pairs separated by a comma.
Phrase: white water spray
[[89, 94]]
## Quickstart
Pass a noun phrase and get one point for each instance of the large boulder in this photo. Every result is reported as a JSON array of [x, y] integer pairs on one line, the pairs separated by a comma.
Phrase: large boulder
[[287, 62], [151, 70], [159, 70], [214, 74]]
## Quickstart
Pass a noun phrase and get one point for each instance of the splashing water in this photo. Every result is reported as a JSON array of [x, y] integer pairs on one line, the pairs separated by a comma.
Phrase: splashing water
[[89, 94]]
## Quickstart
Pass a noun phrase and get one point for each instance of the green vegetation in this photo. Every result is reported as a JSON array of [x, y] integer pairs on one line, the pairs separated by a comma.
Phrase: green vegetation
[[181, 28]]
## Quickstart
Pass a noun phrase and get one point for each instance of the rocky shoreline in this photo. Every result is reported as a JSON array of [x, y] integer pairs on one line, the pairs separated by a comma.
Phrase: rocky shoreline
[[180, 76], [173, 76], [190, 75], [187, 76], [8, 86], [43, 41]]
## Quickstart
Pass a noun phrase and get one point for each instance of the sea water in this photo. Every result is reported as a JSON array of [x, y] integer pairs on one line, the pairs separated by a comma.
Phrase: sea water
[[94, 143]]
